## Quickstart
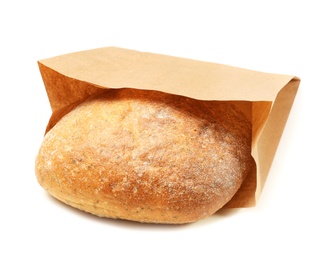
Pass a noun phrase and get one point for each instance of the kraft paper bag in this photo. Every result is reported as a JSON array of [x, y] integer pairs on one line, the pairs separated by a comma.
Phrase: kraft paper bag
[[265, 98]]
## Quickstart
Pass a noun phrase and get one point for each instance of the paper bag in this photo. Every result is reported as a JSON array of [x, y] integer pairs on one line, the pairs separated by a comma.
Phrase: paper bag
[[265, 98]]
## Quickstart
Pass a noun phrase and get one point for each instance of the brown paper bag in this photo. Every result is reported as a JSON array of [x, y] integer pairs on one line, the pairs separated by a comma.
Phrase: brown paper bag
[[265, 98]]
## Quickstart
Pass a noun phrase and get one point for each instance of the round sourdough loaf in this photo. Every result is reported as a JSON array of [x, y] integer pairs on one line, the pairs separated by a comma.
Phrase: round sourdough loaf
[[146, 156]]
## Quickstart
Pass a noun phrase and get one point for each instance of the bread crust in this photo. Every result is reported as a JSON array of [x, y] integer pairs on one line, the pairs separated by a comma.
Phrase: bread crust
[[146, 156]]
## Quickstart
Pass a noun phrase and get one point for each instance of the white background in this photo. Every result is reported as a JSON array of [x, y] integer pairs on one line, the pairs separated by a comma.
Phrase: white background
[[291, 219]]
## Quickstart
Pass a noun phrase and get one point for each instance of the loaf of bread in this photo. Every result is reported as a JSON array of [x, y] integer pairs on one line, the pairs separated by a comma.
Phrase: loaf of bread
[[146, 156]]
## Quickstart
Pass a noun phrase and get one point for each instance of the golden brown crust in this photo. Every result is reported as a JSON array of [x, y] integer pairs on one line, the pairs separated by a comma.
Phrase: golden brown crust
[[146, 156]]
